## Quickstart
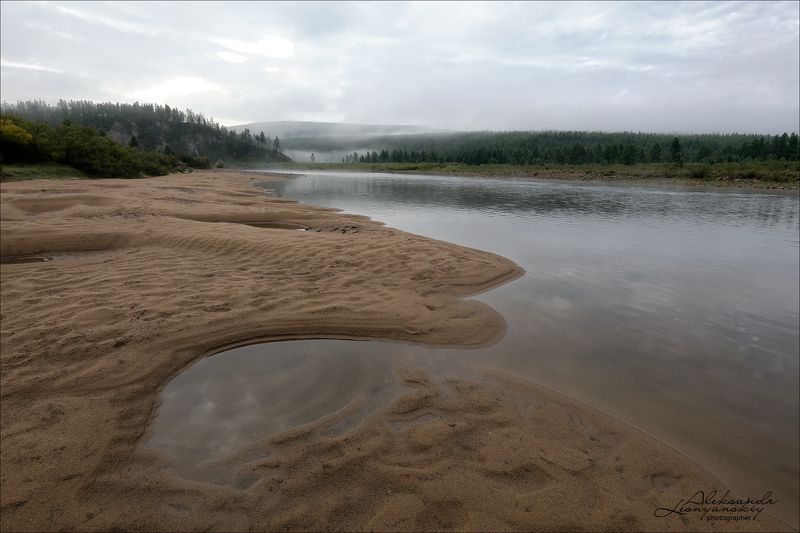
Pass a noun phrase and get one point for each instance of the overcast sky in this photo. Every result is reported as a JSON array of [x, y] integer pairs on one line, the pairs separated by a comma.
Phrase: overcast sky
[[691, 67]]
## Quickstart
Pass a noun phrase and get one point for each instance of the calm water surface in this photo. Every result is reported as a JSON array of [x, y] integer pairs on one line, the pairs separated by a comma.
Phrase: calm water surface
[[675, 310]]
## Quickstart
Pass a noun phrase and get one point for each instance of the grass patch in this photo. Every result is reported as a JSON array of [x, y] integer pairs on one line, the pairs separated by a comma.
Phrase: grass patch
[[38, 171]]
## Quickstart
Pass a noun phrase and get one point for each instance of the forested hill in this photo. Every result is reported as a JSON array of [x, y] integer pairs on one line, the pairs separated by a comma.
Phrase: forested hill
[[155, 127], [554, 147]]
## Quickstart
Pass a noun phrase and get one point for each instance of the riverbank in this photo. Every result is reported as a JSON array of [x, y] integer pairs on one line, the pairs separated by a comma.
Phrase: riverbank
[[146, 276], [779, 175]]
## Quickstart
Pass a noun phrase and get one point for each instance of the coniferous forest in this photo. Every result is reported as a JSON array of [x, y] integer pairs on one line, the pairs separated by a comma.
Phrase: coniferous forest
[[557, 147]]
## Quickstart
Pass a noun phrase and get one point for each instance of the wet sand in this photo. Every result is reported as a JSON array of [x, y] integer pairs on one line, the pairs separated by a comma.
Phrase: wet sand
[[179, 268]]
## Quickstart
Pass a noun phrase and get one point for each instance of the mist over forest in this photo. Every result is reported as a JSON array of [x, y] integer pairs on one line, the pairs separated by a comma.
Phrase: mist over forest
[[337, 143]]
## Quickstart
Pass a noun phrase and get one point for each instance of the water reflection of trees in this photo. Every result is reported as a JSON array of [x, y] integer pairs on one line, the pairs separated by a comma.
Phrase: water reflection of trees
[[546, 198]]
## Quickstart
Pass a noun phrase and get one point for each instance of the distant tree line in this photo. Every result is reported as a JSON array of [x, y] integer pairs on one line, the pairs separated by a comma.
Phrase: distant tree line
[[569, 147], [155, 127]]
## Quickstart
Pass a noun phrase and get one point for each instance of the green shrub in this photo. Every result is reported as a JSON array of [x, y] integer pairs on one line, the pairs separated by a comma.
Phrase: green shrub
[[698, 171], [200, 161], [749, 174], [16, 143], [81, 147]]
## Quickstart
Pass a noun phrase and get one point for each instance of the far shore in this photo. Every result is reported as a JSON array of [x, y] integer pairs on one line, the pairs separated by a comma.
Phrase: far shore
[[110, 288], [768, 175]]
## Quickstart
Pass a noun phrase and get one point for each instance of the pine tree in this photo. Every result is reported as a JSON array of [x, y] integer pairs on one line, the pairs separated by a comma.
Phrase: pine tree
[[676, 152]]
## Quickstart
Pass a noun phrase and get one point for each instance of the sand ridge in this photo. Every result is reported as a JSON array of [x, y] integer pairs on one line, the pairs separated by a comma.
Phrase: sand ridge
[[88, 342]]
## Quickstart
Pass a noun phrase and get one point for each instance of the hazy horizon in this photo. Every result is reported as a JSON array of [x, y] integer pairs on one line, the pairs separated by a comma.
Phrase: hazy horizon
[[652, 67], [479, 130]]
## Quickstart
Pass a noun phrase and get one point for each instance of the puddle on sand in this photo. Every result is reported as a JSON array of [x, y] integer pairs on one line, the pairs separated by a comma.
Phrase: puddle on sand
[[275, 225], [19, 259], [402, 424], [45, 257], [216, 415]]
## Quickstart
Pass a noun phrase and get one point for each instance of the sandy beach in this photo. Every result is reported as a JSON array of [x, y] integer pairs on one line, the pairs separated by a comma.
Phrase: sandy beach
[[139, 278]]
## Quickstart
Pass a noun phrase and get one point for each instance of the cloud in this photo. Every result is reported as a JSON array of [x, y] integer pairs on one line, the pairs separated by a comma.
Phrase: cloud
[[230, 56], [52, 31], [29, 66], [272, 46], [104, 20], [179, 86]]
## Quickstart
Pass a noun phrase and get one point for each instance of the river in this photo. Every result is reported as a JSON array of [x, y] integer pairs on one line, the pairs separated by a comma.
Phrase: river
[[673, 309]]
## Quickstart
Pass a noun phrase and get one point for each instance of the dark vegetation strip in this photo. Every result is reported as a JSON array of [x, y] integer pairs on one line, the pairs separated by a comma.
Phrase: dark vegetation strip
[[778, 173]]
